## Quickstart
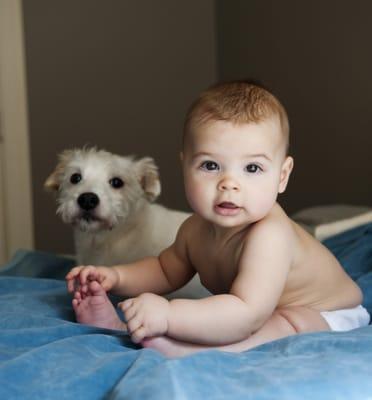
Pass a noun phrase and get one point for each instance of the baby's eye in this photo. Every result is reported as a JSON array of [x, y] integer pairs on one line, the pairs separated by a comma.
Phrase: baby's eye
[[253, 168], [210, 166], [116, 183], [75, 178]]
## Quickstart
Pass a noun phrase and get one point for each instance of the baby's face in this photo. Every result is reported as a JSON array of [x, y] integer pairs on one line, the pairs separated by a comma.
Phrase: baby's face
[[233, 173]]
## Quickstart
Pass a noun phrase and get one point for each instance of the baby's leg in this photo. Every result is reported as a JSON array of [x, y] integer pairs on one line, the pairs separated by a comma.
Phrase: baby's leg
[[284, 322], [93, 307]]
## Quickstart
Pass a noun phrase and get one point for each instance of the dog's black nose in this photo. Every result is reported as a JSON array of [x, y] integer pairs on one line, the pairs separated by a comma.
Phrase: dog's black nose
[[88, 201]]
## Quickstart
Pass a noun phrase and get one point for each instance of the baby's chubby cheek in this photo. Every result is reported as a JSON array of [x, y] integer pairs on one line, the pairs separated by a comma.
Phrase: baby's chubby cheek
[[194, 201], [264, 204], [195, 193]]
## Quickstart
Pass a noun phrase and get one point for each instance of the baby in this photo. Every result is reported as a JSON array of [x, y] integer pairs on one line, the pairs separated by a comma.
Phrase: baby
[[269, 278]]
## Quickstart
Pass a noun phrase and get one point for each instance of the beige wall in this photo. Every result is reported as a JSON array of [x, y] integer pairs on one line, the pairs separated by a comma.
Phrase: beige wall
[[316, 56], [16, 227], [116, 74]]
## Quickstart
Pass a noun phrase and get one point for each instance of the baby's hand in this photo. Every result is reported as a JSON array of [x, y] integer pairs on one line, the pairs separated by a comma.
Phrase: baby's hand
[[79, 277], [146, 316]]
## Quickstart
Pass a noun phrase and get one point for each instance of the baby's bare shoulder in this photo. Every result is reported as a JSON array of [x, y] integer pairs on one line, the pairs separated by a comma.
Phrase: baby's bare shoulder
[[271, 240], [191, 225], [190, 229], [276, 226]]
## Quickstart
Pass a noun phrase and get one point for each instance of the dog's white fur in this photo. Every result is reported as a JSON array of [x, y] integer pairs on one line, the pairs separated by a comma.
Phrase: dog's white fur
[[125, 225]]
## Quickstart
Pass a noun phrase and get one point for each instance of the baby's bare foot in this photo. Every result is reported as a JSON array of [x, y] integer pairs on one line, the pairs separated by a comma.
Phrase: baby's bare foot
[[171, 348], [95, 308]]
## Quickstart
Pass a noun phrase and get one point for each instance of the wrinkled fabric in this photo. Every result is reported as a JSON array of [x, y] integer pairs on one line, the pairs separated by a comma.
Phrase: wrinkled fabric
[[45, 354]]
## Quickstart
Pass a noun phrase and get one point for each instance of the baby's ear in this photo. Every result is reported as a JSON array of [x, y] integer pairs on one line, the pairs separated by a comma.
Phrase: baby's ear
[[149, 177], [285, 173], [54, 179]]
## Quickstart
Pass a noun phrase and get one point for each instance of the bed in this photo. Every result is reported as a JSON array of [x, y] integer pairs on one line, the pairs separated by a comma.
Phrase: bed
[[45, 354]]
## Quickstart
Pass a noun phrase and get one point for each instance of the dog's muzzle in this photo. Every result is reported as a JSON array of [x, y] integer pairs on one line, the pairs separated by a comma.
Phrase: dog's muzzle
[[88, 201], [88, 219]]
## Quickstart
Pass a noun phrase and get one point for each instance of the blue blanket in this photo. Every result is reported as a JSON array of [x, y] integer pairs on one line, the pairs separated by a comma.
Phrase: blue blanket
[[45, 354]]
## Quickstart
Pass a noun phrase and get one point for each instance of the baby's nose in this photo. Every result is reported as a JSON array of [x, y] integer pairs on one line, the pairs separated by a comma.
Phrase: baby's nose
[[228, 184]]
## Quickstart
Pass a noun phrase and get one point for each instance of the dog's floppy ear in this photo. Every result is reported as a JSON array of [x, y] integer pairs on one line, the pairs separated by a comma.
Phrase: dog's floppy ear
[[54, 179], [149, 177], [52, 184]]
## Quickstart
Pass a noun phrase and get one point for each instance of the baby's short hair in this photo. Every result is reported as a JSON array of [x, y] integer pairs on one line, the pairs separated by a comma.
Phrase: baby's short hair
[[238, 102]]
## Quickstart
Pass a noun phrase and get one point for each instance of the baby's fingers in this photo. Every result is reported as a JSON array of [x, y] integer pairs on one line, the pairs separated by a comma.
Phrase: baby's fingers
[[105, 283], [132, 315], [126, 304], [133, 324], [88, 272], [79, 276], [71, 285], [73, 273], [71, 278], [138, 335]]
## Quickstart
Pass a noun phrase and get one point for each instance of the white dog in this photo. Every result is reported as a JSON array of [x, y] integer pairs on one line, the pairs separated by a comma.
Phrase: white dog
[[108, 200]]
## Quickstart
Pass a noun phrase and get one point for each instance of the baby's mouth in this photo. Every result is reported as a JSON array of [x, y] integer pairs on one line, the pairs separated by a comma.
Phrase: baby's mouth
[[228, 205], [226, 208]]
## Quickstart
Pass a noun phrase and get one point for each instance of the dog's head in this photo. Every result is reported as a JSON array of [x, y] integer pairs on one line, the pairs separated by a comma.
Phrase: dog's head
[[96, 189]]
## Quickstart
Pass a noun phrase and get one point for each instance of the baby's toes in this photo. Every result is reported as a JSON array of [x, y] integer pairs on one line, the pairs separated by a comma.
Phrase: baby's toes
[[75, 304], [77, 296]]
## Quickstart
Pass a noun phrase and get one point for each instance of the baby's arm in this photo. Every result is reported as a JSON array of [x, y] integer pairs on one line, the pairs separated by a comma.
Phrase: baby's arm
[[78, 278], [227, 318], [158, 275]]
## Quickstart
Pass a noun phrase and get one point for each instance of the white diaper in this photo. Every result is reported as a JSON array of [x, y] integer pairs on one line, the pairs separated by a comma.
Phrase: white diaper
[[346, 319]]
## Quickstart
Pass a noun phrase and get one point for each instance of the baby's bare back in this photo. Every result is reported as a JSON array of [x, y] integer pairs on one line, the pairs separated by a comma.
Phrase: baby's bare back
[[315, 278]]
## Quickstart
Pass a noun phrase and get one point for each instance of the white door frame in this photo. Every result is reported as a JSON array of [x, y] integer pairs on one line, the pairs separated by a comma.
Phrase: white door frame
[[16, 215]]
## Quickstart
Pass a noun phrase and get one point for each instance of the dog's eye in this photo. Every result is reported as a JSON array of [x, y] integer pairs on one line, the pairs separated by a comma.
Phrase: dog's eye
[[116, 183], [75, 178]]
